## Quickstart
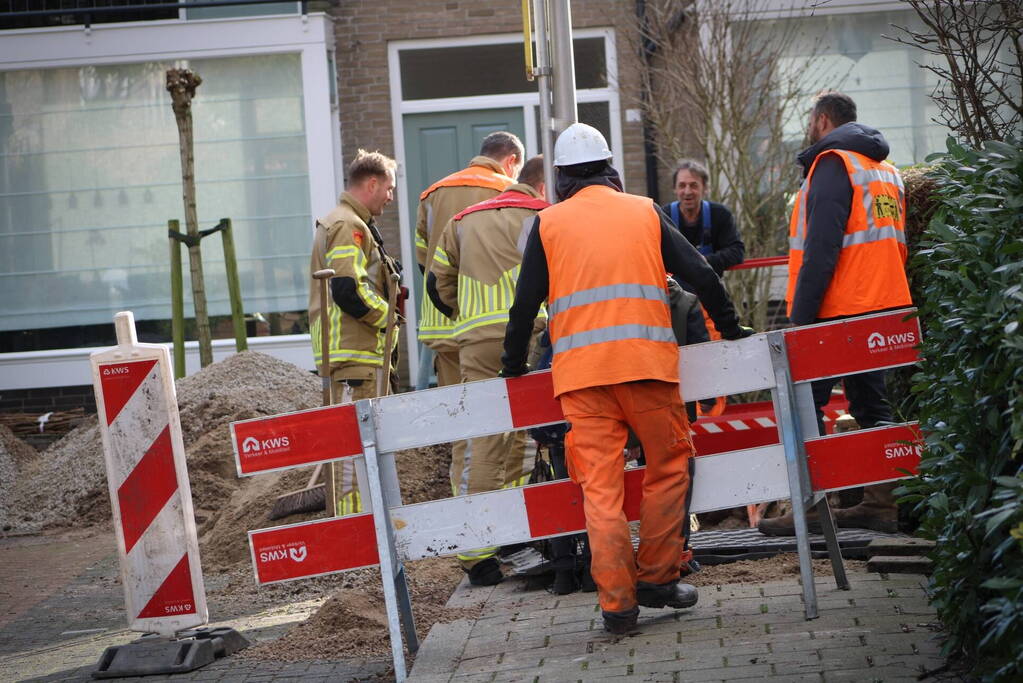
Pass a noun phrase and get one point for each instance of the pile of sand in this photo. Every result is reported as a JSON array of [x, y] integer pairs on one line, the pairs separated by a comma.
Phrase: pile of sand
[[15, 454], [353, 622]]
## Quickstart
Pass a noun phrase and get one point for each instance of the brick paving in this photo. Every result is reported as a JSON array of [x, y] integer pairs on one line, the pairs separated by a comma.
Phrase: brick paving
[[881, 630], [61, 606]]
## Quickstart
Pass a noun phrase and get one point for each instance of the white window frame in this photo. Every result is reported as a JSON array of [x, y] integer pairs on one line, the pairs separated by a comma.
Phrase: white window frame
[[310, 36], [526, 100]]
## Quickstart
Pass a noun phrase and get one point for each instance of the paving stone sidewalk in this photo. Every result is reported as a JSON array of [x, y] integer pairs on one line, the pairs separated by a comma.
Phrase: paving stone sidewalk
[[881, 630]]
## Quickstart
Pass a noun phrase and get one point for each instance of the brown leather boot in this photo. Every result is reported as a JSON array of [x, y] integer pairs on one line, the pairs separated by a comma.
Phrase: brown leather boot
[[786, 524], [877, 512]]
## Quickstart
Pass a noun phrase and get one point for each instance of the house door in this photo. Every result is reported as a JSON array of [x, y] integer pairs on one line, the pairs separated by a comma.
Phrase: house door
[[436, 145]]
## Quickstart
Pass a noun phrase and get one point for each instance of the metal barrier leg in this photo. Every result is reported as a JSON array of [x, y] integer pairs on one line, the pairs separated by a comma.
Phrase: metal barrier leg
[[831, 538], [808, 421], [392, 572], [795, 460]]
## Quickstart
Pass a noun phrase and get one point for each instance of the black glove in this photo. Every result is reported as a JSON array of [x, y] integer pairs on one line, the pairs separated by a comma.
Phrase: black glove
[[514, 372], [740, 332]]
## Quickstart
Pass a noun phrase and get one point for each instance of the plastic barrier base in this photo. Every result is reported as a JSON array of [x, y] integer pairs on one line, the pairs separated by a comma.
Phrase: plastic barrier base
[[152, 654]]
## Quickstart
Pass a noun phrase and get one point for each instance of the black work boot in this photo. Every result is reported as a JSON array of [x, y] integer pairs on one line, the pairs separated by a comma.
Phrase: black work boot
[[621, 623], [485, 573], [676, 594], [564, 582]]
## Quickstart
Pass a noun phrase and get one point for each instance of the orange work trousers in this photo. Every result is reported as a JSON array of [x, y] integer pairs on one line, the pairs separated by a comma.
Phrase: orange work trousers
[[599, 419]]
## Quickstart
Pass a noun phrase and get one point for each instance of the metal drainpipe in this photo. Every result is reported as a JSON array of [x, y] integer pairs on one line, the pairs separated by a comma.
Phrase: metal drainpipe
[[648, 49], [565, 112]]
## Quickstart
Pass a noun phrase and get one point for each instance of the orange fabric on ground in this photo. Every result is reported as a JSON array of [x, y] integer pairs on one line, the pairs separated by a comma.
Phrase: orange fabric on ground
[[599, 419]]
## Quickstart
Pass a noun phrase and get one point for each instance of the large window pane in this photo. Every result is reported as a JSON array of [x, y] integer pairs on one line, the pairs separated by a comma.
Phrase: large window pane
[[488, 70], [90, 174], [850, 52], [596, 114]]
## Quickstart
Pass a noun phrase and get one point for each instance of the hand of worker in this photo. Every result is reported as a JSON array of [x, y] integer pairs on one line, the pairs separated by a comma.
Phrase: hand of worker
[[740, 332], [514, 372]]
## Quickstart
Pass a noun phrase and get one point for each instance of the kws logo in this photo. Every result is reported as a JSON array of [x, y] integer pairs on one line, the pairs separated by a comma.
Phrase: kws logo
[[901, 449], [878, 342], [278, 444], [295, 551]]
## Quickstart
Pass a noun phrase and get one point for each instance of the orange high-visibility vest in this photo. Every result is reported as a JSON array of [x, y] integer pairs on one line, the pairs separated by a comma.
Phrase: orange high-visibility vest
[[870, 274], [608, 299], [474, 176]]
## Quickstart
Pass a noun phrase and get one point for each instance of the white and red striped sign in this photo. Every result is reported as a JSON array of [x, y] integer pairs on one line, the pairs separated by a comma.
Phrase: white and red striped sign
[[506, 516], [148, 483]]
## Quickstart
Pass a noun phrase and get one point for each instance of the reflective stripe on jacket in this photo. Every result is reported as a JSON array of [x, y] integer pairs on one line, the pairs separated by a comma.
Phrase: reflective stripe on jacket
[[344, 242], [438, 204], [870, 273], [483, 253], [609, 317]]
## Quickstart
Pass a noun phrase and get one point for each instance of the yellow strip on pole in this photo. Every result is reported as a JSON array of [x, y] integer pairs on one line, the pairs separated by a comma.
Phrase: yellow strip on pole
[[527, 39]]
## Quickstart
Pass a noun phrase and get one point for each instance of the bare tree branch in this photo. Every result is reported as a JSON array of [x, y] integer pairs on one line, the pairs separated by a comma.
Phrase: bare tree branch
[[978, 95]]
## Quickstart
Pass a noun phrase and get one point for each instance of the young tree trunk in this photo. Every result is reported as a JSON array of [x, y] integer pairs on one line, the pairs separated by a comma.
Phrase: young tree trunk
[[181, 84]]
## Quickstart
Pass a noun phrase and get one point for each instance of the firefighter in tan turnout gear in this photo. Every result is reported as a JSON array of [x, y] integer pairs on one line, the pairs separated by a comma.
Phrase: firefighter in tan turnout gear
[[348, 241], [475, 281], [487, 175]]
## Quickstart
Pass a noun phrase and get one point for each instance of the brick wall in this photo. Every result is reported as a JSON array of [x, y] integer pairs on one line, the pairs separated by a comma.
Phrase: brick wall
[[39, 401]]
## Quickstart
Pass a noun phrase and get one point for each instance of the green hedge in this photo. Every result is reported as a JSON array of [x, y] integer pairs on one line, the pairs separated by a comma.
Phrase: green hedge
[[968, 395]]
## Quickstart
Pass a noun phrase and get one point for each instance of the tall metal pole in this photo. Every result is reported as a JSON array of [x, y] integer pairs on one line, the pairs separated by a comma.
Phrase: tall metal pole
[[543, 75], [565, 112]]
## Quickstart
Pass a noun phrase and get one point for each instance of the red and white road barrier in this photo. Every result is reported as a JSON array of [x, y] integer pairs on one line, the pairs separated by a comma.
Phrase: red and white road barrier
[[148, 482], [528, 513], [782, 362], [460, 411], [749, 425]]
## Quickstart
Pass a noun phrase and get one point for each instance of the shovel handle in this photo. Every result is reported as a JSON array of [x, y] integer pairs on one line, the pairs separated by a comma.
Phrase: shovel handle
[[323, 276]]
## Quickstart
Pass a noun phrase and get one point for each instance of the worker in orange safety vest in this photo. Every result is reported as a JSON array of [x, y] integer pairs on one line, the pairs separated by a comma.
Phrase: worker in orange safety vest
[[847, 255], [600, 258]]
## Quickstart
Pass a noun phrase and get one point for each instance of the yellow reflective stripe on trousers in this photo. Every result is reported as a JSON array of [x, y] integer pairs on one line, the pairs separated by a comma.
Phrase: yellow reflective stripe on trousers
[[478, 554], [349, 504]]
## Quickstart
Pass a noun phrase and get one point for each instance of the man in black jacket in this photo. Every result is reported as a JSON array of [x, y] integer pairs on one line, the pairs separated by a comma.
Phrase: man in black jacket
[[846, 159], [707, 225]]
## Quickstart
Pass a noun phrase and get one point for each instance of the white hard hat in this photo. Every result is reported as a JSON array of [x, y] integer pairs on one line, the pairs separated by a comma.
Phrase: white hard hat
[[578, 144]]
